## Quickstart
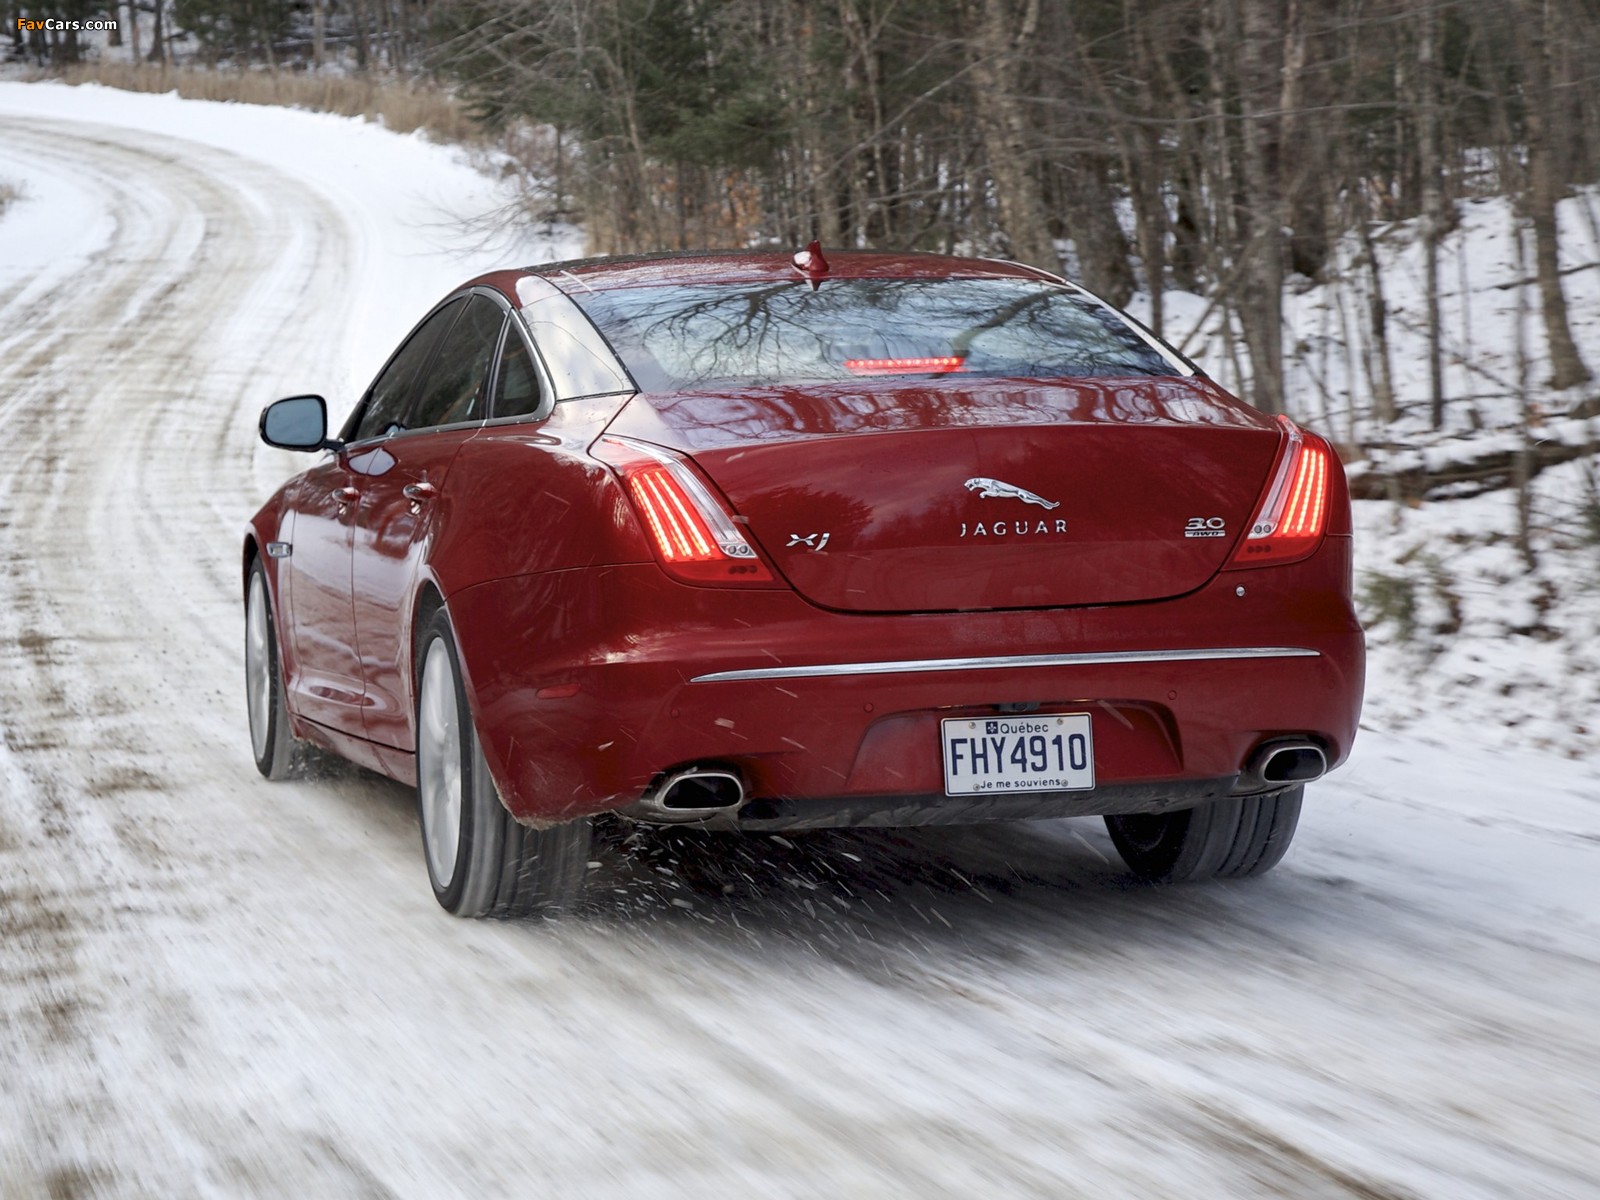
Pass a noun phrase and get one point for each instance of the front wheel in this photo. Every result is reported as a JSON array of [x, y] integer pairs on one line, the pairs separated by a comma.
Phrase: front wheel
[[278, 753], [1226, 839], [482, 863]]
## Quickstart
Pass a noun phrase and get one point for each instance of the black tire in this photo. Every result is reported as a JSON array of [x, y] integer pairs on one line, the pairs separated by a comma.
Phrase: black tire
[[480, 861], [277, 752], [1227, 839]]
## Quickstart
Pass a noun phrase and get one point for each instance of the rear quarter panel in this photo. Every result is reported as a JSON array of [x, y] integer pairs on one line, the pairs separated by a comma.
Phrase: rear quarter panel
[[525, 497]]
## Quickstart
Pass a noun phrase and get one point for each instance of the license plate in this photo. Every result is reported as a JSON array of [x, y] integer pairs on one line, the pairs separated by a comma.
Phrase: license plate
[[1050, 753]]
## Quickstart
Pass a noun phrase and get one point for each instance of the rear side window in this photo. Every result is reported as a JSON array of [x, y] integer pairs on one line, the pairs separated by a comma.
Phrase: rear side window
[[392, 391], [455, 385], [517, 391], [685, 336]]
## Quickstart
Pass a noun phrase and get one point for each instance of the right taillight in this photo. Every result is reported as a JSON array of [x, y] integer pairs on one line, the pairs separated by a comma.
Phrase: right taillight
[[693, 535], [1294, 512]]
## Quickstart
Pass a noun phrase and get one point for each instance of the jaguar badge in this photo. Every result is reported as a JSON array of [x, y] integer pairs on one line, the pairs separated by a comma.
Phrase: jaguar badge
[[994, 489]]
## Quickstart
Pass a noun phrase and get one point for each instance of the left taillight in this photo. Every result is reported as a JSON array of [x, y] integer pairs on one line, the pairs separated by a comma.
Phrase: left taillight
[[1293, 514], [692, 532]]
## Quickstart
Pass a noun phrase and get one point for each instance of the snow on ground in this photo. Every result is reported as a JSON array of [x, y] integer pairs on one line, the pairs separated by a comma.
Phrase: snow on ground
[[215, 986], [1464, 639]]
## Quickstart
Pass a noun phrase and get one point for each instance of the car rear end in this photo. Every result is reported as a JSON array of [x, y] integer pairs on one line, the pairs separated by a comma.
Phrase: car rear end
[[897, 564]]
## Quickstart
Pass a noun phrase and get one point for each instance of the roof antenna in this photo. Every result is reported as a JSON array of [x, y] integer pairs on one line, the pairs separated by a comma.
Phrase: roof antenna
[[810, 263]]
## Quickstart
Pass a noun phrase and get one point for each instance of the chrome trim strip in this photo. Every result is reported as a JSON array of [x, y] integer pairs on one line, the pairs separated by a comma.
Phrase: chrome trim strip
[[915, 665]]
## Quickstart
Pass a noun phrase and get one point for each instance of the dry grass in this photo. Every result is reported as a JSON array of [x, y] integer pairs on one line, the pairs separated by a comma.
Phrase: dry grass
[[401, 106], [8, 193]]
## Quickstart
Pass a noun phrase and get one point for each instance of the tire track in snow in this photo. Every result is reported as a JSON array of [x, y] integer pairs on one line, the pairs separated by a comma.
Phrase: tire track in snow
[[123, 480], [116, 502]]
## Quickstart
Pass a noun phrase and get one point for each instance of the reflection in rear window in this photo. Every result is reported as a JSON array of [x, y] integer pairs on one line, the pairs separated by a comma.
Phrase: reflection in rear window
[[681, 337]]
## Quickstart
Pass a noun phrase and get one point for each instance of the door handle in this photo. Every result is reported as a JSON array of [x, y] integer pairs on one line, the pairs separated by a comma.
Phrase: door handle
[[345, 495], [417, 493]]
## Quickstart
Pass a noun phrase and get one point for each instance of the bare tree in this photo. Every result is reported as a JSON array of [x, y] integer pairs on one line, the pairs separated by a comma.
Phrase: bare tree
[[1430, 166], [1001, 29], [1266, 74], [1544, 69]]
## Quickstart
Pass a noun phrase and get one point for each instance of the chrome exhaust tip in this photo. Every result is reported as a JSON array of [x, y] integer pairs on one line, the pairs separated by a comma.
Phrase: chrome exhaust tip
[[1282, 764], [1294, 764], [690, 796]]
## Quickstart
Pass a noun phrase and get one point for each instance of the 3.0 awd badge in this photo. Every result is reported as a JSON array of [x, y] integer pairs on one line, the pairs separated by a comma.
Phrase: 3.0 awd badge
[[1206, 527]]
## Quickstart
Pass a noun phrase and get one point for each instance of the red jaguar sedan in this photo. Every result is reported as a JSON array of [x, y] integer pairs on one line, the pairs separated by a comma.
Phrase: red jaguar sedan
[[773, 542]]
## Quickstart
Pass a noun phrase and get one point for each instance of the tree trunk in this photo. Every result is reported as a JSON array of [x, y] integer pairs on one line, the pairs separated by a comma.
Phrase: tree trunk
[[1545, 187], [1217, 191], [158, 42], [1142, 160], [1522, 464], [1432, 201], [871, 169], [1001, 31], [818, 153], [383, 43], [1103, 251], [363, 51], [1260, 103], [266, 44], [1379, 372]]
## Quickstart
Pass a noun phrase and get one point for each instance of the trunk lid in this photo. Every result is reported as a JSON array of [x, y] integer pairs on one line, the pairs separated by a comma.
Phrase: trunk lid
[[945, 496]]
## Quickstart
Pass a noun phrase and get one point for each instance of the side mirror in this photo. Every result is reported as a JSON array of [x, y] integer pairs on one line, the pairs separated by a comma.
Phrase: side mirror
[[298, 423]]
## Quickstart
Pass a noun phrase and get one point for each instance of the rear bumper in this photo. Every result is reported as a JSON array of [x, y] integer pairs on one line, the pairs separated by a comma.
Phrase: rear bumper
[[588, 684], [776, 814]]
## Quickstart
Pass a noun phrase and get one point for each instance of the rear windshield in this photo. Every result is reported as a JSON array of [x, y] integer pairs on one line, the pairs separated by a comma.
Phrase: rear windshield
[[682, 337]]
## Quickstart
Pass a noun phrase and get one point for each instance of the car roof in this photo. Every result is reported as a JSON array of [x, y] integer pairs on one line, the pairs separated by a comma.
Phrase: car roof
[[743, 266]]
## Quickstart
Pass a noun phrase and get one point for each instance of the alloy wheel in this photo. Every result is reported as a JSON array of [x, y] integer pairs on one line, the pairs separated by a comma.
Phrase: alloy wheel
[[258, 666], [439, 762]]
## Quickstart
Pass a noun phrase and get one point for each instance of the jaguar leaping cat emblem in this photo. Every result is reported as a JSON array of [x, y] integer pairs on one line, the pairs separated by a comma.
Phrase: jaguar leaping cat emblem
[[995, 489]]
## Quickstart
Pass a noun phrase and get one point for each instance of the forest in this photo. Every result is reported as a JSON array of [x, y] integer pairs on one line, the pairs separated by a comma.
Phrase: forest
[[1229, 148]]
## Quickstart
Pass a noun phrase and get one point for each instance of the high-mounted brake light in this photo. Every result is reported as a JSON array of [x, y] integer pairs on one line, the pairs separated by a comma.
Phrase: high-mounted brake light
[[904, 366], [690, 530], [1294, 512]]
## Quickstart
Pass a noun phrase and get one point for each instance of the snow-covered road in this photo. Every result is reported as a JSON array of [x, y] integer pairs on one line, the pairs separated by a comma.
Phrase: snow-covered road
[[215, 986]]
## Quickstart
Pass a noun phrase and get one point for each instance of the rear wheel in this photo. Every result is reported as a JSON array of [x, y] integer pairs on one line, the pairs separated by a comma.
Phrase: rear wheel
[[1227, 839], [482, 863], [278, 753]]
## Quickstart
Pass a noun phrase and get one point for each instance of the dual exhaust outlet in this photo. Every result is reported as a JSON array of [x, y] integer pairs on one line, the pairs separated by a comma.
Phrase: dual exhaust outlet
[[1281, 764], [696, 795], [690, 796]]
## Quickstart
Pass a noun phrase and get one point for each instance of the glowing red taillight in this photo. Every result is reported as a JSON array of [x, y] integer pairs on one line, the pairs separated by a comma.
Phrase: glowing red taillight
[[1307, 509], [680, 533], [904, 366], [692, 533], [1294, 513]]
